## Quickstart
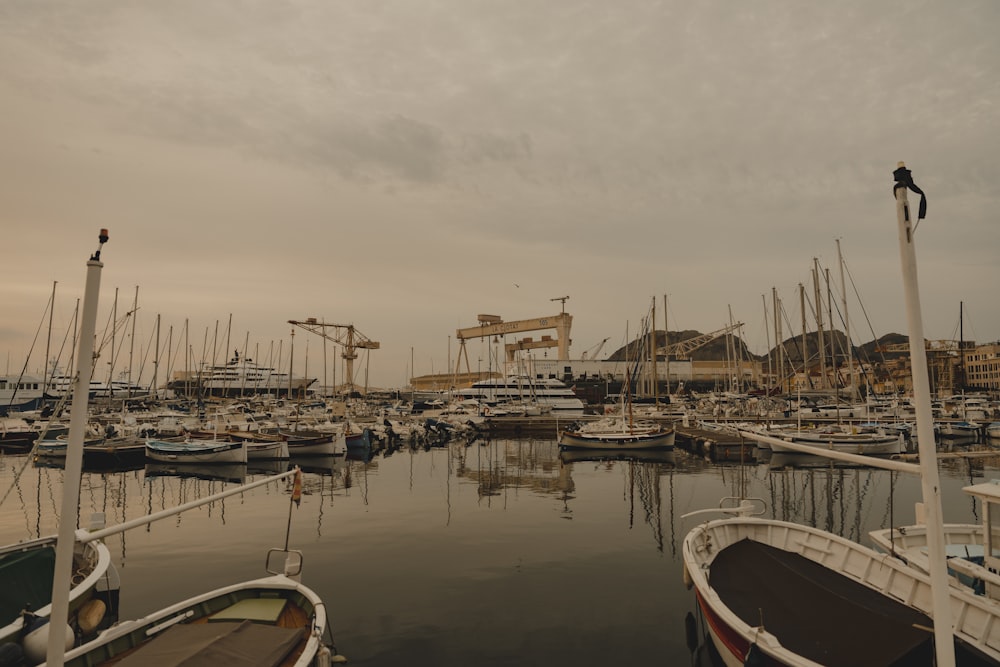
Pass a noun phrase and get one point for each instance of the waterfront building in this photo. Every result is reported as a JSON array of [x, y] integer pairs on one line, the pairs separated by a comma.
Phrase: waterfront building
[[982, 366]]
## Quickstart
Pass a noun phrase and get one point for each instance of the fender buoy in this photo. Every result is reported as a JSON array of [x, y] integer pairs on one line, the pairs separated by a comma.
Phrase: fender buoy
[[90, 615], [36, 642]]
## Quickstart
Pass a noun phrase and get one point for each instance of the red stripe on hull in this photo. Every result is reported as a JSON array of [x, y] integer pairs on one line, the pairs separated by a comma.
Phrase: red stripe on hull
[[732, 641]]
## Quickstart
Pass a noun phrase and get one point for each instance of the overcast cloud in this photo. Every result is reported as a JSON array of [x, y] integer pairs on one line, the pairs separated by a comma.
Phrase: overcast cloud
[[405, 166]]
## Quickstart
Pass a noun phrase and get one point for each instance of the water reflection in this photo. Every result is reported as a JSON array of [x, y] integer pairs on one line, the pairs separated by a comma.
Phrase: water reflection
[[475, 553]]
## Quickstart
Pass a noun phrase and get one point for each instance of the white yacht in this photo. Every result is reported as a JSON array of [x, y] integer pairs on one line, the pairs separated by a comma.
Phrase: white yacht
[[523, 389], [241, 376], [19, 390]]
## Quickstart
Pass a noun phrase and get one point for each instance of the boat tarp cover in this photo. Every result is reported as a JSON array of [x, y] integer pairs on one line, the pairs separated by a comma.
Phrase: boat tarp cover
[[215, 644], [25, 578], [816, 612]]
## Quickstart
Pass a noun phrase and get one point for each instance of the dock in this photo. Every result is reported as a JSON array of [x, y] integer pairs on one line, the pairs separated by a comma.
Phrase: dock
[[715, 445]]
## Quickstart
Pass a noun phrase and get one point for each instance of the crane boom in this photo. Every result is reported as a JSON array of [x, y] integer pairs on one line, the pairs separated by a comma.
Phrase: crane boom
[[344, 335], [685, 347]]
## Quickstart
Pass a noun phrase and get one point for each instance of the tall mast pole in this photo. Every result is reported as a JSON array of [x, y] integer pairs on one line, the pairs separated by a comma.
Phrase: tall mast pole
[[802, 308], [847, 327], [778, 340], [652, 353], [944, 641], [62, 575], [48, 341], [114, 353], [820, 340], [131, 345], [770, 360], [156, 358], [666, 344]]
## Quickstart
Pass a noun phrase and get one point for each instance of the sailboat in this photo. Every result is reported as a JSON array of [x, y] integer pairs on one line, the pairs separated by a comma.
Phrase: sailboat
[[817, 598], [619, 432], [274, 620]]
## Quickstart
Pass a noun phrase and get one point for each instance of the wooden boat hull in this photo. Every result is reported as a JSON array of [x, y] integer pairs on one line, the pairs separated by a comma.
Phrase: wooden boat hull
[[790, 568], [196, 452], [359, 441], [300, 608], [317, 445], [617, 440], [878, 445], [267, 450]]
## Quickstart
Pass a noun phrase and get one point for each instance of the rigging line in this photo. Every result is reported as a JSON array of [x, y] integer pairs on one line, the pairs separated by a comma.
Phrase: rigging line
[[864, 311], [24, 369], [41, 435]]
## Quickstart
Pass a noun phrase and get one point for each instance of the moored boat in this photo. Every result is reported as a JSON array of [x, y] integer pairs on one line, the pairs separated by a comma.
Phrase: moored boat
[[196, 451], [839, 440], [240, 376], [815, 597], [274, 620], [548, 393], [958, 429], [26, 570], [621, 436], [315, 444], [775, 589], [973, 550]]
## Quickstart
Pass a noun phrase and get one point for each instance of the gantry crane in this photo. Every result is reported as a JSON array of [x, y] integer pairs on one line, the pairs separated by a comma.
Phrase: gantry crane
[[344, 335], [493, 325]]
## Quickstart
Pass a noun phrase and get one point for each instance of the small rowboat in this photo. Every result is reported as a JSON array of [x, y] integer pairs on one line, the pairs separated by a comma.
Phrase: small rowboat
[[197, 451]]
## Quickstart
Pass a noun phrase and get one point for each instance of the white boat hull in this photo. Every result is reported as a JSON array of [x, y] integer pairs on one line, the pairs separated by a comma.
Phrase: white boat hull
[[617, 440], [99, 575], [976, 619], [267, 451], [125, 635], [860, 444], [196, 452]]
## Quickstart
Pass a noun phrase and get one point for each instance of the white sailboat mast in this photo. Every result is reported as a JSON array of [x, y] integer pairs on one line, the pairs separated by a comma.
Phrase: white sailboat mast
[[62, 576], [847, 327], [929, 478]]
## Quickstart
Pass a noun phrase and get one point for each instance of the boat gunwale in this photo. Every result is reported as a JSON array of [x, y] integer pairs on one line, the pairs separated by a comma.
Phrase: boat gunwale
[[899, 582]]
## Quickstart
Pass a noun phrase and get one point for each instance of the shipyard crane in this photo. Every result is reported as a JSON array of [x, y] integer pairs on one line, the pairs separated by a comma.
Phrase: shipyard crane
[[344, 335], [930, 346], [684, 348], [594, 351], [493, 325]]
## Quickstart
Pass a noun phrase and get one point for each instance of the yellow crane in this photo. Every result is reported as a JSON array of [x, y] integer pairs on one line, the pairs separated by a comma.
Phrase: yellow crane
[[493, 325], [344, 335], [683, 349]]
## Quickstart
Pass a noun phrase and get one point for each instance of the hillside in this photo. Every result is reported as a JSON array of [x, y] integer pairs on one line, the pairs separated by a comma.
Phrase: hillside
[[715, 350]]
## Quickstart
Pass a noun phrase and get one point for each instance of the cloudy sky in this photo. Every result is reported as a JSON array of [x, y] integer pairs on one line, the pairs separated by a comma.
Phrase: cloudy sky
[[404, 166]]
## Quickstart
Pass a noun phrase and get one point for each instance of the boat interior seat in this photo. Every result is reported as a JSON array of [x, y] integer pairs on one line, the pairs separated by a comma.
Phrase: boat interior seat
[[213, 644]]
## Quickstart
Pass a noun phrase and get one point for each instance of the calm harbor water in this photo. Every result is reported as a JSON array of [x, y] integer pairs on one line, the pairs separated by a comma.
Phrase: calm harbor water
[[494, 553]]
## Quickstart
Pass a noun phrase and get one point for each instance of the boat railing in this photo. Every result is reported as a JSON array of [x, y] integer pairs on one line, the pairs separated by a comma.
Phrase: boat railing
[[290, 563], [975, 571], [736, 506]]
